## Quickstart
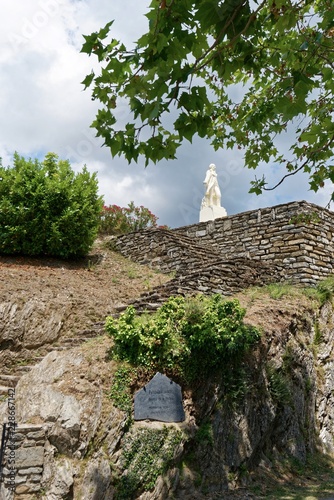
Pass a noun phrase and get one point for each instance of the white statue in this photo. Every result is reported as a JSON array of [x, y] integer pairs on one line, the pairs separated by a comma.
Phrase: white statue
[[212, 195], [211, 208]]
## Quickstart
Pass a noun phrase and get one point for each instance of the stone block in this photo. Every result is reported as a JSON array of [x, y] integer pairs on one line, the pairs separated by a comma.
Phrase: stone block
[[26, 428], [306, 246], [296, 241], [289, 260], [32, 470], [19, 437], [298, 253], [278, 243], [297, 265], [22, 489], [20, 479], [35, 478], [289, 249], [29, 457]]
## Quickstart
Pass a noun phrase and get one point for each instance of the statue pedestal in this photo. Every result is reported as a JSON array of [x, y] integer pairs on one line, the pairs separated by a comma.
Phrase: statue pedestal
[[211, 213]]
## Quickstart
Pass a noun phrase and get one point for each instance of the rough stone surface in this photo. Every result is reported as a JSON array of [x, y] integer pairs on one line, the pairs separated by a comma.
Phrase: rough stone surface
[[32, 323], [62, 482], [29, 457], [54, 395], [97, 481], [296, 238]]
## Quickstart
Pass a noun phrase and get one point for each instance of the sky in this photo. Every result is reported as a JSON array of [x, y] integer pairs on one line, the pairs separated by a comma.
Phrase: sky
[[43, 108]]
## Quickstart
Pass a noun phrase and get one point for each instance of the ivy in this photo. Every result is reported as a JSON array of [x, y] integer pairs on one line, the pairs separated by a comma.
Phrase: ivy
[[120, 392], [146, 454]]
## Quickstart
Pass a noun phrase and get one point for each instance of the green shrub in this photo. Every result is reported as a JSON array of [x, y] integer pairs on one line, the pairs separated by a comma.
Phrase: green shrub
[[191, 336], [47, 209]]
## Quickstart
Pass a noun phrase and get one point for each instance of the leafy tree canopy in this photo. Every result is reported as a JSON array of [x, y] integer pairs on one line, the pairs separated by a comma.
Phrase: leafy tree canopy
[[241, 73]]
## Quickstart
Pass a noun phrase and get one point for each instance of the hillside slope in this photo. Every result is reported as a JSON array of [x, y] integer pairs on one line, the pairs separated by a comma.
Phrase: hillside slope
[[260, 445], [45, 301]]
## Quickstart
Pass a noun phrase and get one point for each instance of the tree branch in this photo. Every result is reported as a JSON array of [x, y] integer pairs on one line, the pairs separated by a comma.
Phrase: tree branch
[[285, 176]]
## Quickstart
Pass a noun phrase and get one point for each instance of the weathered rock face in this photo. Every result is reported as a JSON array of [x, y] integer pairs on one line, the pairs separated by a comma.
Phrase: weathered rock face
[[62, 480], [32, 323], [97, 481], [78, 437], [287, 412], [55, 394], [325, 380]]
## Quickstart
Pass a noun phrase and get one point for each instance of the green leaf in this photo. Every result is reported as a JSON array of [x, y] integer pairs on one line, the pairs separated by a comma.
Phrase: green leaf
[[88, 80], [90, 42], [104, 31], [155, 111]]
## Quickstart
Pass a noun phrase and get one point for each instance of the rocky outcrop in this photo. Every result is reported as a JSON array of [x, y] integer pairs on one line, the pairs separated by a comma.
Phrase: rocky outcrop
[[281, 407], [32, 323], [53, 393]]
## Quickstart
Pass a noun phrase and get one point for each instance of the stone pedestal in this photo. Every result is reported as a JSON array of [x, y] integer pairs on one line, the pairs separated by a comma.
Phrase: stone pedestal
[[211, 213]]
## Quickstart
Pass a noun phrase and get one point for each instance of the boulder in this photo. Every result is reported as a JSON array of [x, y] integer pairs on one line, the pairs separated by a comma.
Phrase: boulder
[[53, 393]]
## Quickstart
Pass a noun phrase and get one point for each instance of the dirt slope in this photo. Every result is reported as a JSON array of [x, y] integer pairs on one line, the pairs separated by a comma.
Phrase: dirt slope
[[45, 301]]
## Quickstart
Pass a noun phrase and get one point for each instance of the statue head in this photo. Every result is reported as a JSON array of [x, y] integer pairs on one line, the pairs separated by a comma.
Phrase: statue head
[[212, 166]]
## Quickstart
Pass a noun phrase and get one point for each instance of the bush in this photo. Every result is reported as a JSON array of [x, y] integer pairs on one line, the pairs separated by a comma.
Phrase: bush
[[120, 220], [47, 209], [191, 336]]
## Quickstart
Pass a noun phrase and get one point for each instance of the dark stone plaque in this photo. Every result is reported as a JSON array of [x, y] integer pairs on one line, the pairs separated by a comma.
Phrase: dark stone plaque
[[160, 399]]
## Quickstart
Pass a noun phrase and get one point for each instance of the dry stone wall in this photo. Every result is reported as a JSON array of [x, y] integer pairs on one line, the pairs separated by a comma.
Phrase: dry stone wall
[[296, 239], [29, 462], [29, 457], [225, 277]]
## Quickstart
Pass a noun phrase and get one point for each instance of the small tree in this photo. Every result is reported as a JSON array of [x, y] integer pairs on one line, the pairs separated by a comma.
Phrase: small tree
[[47, 209], [120, 220]]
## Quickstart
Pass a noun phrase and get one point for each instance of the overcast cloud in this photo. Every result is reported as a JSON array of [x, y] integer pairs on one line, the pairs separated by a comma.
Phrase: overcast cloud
[[43, 108]]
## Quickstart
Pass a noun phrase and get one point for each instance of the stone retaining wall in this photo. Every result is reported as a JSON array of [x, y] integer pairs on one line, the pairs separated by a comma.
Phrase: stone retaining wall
[[296, 238], [29, 461], [224, 277], [165, 250]]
